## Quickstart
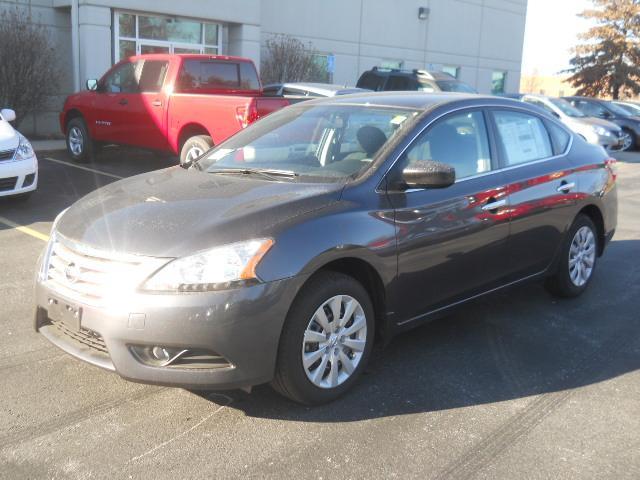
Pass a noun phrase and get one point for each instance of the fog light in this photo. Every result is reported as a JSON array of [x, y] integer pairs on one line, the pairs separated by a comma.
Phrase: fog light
[[160, 353]]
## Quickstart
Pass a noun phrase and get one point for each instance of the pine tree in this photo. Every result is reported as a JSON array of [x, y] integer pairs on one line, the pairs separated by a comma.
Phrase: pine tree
[[607, 63]]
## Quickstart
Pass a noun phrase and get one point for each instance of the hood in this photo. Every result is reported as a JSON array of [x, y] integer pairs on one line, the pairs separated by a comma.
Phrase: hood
[[175, 212], [8, 136], [598, 122]]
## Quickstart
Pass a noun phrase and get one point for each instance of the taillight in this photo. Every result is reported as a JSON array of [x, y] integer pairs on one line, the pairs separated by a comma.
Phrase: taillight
[[247, 114], [611, 164]]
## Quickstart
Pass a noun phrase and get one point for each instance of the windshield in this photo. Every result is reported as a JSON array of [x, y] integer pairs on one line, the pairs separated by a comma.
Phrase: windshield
[[618, 110], [454, 86], [568, 109], [314, 142]]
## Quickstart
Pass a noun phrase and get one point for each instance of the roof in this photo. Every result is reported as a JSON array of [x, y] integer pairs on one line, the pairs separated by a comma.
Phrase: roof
[[416, 100]]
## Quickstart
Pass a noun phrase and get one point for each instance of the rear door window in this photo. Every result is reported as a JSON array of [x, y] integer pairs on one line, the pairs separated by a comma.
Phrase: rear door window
[[559, 137], [398, 83], [370, 81], [523, 137]]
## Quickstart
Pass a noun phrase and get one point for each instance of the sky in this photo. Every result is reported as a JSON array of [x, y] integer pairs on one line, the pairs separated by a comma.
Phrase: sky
[[552, 29]]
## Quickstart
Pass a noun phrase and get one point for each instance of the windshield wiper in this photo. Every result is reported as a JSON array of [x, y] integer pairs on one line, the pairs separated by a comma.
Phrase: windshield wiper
[[270, 173]]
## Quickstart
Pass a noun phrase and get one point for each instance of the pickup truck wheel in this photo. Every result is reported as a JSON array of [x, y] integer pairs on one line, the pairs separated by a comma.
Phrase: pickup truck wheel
[[79, 144], [194, 147]]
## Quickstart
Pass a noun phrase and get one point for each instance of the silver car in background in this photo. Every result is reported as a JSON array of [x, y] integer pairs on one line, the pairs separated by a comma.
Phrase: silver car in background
[[594, 130]]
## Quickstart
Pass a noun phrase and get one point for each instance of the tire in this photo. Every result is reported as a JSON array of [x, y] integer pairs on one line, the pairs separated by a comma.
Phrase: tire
[[79, 143], [194, 147], [631, 144], [292, 379], [564, 282]]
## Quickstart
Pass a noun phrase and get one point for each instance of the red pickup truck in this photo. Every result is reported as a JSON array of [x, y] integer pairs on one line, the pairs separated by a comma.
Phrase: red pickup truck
[[182, 104]]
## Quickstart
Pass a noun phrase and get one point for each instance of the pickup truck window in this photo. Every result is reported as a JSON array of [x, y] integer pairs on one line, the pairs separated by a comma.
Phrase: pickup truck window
[[122, 79], [201, 75], [136, 77]]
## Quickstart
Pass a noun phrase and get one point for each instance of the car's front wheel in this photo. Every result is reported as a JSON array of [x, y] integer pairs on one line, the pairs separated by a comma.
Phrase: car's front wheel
[[578, 259], [628, 140], [79, 143], [326, 340]]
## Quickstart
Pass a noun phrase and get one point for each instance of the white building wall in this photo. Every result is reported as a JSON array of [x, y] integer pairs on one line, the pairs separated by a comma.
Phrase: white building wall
[[479, 36]]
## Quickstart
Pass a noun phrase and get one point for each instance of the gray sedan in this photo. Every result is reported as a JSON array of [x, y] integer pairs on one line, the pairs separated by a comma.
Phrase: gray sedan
[[284, 253]]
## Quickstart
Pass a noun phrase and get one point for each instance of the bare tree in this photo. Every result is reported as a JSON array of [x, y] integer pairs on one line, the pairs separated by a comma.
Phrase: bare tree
[[287, 59], [531, 82], [29, 66]]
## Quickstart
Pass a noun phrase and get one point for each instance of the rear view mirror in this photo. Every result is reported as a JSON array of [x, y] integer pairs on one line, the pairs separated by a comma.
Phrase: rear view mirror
[[8, 114], [92, 84], [428, 174]]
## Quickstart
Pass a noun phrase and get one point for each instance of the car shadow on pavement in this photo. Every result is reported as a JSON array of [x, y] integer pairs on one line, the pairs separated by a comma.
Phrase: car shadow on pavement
[[515, 344]]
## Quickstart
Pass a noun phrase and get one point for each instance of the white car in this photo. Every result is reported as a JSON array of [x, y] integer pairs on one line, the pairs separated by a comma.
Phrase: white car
[[18, 162]]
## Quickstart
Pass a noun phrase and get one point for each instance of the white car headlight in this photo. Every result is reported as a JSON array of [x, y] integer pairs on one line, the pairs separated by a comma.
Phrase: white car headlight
[[214, 269], [24, 150], [602, 131]]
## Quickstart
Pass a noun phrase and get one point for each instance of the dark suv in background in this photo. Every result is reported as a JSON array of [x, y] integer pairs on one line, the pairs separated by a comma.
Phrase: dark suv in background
[[385, 79], [594, 107]]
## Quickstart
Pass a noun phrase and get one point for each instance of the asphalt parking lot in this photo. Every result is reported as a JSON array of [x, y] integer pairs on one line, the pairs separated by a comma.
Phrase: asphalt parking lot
[[517, 385]]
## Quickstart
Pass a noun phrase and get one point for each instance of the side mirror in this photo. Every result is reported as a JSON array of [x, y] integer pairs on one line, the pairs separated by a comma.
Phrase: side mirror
[[555, 114], [428, 174], [92, 84], [606, 114], [8, 114]]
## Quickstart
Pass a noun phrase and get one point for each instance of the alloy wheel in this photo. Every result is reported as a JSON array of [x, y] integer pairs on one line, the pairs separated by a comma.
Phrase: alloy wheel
[[582, 256], [76, 140], [193, 153], [334, 341], [627, 140]]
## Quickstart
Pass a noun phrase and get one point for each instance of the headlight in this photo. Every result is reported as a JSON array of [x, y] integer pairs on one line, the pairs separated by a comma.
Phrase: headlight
[[215, 269], [24, 150], [602, 131]]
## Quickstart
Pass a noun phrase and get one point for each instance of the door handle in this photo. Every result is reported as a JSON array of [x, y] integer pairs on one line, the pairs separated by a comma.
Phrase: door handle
[[156, 103], [123, 101], [494, 205], [566, 187]]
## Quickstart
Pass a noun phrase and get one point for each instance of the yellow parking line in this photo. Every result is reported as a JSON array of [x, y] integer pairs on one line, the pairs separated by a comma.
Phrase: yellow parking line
[[23, 229], [81, 167]]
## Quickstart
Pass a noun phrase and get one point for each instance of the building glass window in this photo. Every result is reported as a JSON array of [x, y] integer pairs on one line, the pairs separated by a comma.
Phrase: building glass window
[[498, 82], [323, 73], [451, 70], [392, 64], [136, 34]]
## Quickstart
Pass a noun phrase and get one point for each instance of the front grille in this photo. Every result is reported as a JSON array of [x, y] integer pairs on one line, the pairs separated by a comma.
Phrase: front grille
[[6, 155], [95, 277], [8, 183], [84, 336]]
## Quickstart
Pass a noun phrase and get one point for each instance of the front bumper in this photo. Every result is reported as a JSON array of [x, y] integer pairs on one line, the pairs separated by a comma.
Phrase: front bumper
[[242, 325], [18, 177], [610, 143]]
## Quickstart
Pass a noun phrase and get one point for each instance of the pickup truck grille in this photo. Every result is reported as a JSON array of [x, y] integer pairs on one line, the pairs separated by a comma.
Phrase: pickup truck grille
[[6, 155], [95, 277]]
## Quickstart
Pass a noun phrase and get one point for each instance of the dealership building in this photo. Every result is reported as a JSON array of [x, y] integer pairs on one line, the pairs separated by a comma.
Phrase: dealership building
[[478, 41]]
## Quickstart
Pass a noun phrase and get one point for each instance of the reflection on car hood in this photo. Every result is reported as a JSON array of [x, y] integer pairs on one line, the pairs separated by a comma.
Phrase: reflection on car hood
[[599, 122], [8, 136], [175, 212]]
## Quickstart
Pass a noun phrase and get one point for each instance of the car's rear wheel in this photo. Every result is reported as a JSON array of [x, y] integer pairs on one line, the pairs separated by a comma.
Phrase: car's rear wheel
[[194, 147], [326, 340], [578, 259], [79, 143]]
